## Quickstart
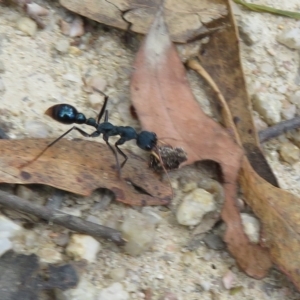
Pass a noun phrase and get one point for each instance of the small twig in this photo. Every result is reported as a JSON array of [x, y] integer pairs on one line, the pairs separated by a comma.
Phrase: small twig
[[278, 129], [68, 221]]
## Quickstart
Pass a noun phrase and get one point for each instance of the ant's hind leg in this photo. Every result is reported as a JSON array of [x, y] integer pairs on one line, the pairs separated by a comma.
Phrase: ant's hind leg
[[105, 138], [118, 143], [82, 132]]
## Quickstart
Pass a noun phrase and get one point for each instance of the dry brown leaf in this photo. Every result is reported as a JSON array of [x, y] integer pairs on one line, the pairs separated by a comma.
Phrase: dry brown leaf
[[185, 18], [80, 166], [165, 104], [277, 209]]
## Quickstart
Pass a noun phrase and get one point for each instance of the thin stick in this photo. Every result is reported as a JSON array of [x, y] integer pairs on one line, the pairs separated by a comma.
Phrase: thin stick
[[60, 218], [278, 129]]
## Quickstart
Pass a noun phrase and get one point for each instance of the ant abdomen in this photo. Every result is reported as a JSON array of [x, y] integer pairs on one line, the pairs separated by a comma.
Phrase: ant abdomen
[[65, 114]]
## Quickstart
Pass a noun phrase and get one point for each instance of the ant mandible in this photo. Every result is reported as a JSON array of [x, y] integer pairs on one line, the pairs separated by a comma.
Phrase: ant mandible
[[68, 114]]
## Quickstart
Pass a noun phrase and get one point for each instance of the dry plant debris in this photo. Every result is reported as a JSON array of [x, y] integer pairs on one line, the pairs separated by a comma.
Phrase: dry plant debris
[[164, 103], [80, 167], [277, 209], [185, 19]]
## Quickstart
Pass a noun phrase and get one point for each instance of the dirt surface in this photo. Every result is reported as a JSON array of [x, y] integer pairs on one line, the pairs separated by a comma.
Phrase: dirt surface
[[37, 76]]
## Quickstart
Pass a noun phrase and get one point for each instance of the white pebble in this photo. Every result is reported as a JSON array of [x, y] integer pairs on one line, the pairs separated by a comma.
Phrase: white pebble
[[289, 112], [194, 206], [62, 45], [27, 26], [36, 129], [289, 152], [49, 255], [71, 211], [5, 245], [251, 227], [269, 107], [83, 247], [138, 231], [290, 38], [250, 30], [96, 100], [117, 274], [113, 292], [8, 228], [267, 68], [228, 280], [295, 98]]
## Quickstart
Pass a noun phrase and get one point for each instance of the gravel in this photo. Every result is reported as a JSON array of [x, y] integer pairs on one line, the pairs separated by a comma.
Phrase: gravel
[[37, 72]]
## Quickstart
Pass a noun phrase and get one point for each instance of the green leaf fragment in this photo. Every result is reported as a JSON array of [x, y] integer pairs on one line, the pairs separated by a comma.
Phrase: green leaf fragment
[[271, 10]]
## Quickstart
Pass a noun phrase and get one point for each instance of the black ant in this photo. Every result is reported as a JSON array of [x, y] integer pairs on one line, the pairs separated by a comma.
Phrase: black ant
[[68, 114]]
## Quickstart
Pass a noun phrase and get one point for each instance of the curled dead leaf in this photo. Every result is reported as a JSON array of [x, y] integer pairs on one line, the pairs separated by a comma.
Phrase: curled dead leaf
[[165, 104]]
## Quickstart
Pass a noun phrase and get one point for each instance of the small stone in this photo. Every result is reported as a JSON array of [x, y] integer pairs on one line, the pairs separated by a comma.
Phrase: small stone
[[251, 227], [49, 256], [71, 211], [214, 241], [151, 215], [5, 245], [8, 228], [36, 129], [138, 231], [61, 239], [76, 27], [96, 100], [95, 82], [169, 296], [2, 67], [27, 26], [267, 68], [289, 152], [194, 206], [24, 192], [113, 292], [117, 274], [268, 106], [250, 30], [189, 186], [188, 258], [205, 284], [288, 112], [295, 98], [290, 38], [84, 290], [62, 45], [259, 123], [74, 51], [228, 280], [83, 247]]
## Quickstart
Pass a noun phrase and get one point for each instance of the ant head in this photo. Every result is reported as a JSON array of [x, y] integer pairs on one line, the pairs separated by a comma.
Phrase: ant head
[[146, 140], [65, 114]]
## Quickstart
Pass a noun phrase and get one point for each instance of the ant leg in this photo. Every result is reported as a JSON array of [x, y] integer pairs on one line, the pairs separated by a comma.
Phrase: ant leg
[[54, 142], [105, 138], [119, 142], [103, 106]]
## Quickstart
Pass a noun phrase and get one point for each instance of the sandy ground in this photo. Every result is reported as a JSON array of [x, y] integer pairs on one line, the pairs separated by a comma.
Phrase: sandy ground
[[36, 76]]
